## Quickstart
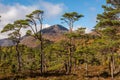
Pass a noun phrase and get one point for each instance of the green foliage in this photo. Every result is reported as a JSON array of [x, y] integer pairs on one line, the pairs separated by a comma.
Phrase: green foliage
[[55, 66], [28, 33], [37, 11], [110, 15], [8, 27], [34, 18], [74, 16], [70, 18], [15, 29]]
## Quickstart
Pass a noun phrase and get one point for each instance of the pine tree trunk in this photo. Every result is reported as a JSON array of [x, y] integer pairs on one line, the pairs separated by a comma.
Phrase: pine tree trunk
[[86, 65], [70, 59], [112, 67], [86, 69], [69, 62], [18, 58], [75, 64], [41, 58], [65, 64]]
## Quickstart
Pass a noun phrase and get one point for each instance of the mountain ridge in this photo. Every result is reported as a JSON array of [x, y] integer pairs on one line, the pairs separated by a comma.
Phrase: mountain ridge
[[52, 33]]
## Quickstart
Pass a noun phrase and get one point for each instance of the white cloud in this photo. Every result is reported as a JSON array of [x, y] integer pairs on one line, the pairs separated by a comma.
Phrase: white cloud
[[10, 13], [88, 30], [46, 25], [52, 10]]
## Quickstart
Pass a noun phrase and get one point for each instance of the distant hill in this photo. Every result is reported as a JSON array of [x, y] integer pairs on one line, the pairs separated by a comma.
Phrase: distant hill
[[6, 42], [52, 33]]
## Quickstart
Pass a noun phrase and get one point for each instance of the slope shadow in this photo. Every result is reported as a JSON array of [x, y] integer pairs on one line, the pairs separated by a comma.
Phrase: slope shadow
[[36, 74], [103, 75]]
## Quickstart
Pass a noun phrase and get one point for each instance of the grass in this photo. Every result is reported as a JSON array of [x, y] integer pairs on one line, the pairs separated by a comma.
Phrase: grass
[[94, 73]]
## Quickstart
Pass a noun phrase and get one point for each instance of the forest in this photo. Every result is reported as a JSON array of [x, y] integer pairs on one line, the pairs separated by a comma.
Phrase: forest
[[77, 56]]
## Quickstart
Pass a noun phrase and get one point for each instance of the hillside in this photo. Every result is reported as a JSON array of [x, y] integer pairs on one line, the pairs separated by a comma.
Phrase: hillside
[[6, 42], [52, 33]]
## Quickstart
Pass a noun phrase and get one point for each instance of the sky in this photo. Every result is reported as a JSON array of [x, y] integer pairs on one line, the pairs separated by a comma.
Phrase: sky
[[12, 10]]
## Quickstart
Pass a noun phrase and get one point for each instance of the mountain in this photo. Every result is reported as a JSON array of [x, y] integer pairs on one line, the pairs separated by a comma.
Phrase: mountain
[[29, 41], [6, 42], [52, 33], [55, 29]]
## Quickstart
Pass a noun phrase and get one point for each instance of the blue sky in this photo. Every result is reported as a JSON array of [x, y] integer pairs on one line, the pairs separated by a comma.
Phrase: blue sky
[[17, 9]]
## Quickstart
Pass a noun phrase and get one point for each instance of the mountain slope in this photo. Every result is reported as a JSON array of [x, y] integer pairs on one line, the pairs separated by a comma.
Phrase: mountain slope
[[52, 33], [6, 42], [54, 29]]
